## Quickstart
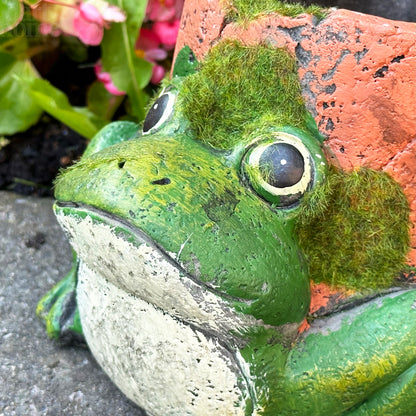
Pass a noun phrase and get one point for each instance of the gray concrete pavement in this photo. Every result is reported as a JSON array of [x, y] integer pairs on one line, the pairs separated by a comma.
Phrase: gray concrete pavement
[[37, 376]]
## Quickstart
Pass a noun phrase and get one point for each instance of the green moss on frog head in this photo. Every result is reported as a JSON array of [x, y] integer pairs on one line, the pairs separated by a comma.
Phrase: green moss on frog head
[[236, 87], [354, 229], [243, 11]]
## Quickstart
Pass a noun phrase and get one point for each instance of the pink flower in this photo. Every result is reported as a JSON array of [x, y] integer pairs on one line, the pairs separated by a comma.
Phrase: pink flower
[[164, 10], [105, 78], [155, 54], [147, 47], [47, 29], [158, 72], [90, 13], [88, 24], [167, 31], [112, 89], [147, 40], [85, 20], [153, 44]]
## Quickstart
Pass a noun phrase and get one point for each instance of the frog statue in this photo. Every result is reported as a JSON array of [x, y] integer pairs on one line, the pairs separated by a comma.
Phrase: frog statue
[[197, 237]]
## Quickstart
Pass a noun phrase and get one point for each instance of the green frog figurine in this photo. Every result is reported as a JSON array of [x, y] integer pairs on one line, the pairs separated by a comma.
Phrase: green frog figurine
[[191, 278]]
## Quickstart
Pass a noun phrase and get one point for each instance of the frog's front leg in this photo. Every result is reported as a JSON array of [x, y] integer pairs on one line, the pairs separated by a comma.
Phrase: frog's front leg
[[59, 311], [358, 362], [58, 308]]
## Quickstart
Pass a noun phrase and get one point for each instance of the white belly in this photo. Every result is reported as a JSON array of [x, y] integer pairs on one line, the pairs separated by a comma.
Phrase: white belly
[[163, 339], [160, 363]]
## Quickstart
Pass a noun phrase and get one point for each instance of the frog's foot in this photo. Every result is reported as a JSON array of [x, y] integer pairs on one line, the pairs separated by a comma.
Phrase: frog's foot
[[59, 310], [357, 362]]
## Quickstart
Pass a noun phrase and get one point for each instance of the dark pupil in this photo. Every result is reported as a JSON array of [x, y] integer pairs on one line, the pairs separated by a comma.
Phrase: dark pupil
[[155, 113], [281, 165]]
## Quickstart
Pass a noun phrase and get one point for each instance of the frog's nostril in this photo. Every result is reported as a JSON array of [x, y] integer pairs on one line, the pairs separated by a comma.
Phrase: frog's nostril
[[163, 181], [121, 164]]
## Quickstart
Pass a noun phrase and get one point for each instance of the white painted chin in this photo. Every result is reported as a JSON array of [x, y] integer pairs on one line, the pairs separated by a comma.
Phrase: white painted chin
[[161, 337]]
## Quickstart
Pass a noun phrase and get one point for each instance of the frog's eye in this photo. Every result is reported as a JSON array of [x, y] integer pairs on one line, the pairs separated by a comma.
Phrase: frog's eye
[[159, 113], [280, 169]]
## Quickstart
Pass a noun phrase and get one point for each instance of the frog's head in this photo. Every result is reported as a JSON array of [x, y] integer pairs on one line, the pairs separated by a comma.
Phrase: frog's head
[[213, 181]]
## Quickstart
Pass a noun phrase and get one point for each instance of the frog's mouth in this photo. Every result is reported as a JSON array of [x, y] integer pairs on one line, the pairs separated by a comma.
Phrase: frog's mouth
[[127, 258]]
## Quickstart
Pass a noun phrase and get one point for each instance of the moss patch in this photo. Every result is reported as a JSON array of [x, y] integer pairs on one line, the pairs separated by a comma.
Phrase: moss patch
[[240, 87], [243, 11], [354, 229]]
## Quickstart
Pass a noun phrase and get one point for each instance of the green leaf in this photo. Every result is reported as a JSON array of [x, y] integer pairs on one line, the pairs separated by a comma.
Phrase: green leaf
[[18, 111], [11, 12], [128, 72], [101, 102], [31, 2], [6, 63], [13, 45], [22, 39], [55, 102]]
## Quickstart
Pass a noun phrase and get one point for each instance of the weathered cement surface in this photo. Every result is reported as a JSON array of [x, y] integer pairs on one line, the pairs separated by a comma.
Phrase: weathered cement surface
[[38, 377], [358, 78]]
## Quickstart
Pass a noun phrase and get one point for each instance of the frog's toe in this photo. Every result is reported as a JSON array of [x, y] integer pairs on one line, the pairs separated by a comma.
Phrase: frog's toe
[[59, 310]]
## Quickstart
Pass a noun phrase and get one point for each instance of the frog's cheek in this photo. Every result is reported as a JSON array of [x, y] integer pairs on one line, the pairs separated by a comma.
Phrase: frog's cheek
[[186, 200], [126, 258], [149, 321]]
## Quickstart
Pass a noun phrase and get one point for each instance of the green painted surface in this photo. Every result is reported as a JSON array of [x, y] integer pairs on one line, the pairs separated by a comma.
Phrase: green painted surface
[[185, 63], [191, 194], [371, 350], [365, 362], [203, 206], [113, 133], [397, 398], [58, 308]]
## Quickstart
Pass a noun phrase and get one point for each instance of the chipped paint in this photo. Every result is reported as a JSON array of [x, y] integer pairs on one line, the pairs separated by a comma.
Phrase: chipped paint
[[164, 365], [162, 339]]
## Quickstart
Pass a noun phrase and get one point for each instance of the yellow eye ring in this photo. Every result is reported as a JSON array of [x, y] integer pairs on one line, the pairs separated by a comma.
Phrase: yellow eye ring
[[279, 168]]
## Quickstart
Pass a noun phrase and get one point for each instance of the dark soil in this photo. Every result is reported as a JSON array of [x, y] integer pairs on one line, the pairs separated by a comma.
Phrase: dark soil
[[31, 161]]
